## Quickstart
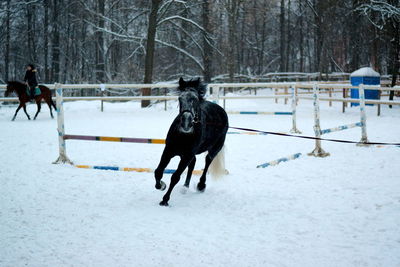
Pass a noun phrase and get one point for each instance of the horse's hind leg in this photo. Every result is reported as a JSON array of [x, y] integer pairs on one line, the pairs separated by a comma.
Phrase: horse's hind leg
[[24, 106], [39, 107], [201, 186], [50, 103], [16, 112], [185, 161], [212, 153]]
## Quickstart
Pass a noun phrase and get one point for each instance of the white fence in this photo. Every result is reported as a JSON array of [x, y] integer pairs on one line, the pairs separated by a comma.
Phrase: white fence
[[292, 90]]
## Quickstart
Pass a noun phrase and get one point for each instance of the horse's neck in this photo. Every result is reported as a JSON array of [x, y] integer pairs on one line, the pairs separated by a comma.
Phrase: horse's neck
[[21, 90]]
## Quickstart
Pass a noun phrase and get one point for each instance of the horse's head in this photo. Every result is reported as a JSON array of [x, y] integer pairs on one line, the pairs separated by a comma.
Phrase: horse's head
[[15, 86], [191, 94], [9, 89]]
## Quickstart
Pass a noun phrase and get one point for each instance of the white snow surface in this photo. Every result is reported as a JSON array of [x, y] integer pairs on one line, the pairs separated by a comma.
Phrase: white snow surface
[[343, 210], [365, 72]]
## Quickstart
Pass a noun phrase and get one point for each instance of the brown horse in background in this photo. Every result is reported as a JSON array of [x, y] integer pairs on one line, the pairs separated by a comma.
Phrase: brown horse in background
[[21, 90]]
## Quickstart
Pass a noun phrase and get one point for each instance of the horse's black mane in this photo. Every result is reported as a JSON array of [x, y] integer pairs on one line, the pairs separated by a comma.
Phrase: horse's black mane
[[194, 85], [15, 83]]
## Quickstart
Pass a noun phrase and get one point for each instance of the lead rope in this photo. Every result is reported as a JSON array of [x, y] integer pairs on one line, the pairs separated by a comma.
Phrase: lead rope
[[314, 138]]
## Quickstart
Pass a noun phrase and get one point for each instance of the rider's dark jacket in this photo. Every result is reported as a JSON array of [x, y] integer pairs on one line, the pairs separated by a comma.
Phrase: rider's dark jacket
[[30, 77]]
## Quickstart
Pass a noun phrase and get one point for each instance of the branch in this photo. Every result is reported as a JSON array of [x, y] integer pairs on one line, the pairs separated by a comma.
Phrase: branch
[[184, 19], [195, 60]]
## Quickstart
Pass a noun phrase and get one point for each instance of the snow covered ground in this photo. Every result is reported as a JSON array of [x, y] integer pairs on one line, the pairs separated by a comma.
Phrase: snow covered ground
[[343, 210]]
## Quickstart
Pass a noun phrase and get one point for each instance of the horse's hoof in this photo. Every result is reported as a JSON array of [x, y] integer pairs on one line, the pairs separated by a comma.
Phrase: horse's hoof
[[161, 186], [184, 189], [201, 187], [164, 203]]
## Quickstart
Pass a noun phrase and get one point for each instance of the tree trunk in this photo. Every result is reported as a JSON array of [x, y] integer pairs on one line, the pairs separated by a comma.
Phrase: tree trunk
[[55, 71], [394, 33], [288, 38], [46, 40], [207, 48], [232, 7], [150, 45], [301, 48], [282, 37], [100, 59], [7, 52]]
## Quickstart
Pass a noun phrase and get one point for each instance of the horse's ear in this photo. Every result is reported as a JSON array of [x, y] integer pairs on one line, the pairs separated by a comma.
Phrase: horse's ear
[[196, 82], [181, 83]]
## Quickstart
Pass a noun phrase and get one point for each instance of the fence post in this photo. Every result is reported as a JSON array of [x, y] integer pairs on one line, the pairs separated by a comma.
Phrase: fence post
[[318, 151], [103, 90], [216, 94], [363, 117], [294, 106], [224, 102], [62, 158], [165, 102]]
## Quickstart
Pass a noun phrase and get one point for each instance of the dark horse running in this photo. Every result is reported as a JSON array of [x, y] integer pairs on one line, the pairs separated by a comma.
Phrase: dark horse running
[[21, 90], [200, 126]]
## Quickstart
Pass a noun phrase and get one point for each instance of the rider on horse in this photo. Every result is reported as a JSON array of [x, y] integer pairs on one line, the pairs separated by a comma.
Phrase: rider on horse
[[30, 79]]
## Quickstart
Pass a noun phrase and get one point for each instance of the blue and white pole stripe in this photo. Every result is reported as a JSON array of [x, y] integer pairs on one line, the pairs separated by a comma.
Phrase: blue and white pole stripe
[[276, 162], [341, 128]]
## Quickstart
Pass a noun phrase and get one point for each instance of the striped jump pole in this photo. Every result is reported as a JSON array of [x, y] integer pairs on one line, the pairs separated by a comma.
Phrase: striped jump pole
[[247, 133], [129, 169], [318, 151], [114, 139], [341, 128], [260, 113], [276, 162]]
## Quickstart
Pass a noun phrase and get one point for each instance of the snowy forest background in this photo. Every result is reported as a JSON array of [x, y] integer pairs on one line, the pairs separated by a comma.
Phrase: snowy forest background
[[76, 41]]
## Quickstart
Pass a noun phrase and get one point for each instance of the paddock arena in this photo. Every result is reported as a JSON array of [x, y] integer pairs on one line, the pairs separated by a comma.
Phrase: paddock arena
[[342, 210]]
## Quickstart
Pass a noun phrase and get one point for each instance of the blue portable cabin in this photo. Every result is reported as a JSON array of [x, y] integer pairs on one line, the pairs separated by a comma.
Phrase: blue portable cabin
[[365, 76]]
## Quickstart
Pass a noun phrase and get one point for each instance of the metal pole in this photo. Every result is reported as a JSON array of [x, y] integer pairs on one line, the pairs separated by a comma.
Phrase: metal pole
[[363, 117], [62, 158], [294, 105], [318, 151]]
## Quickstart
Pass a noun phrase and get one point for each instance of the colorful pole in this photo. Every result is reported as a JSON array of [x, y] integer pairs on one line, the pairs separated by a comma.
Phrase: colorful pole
[[276, 162], [341, 128], [129, 169]]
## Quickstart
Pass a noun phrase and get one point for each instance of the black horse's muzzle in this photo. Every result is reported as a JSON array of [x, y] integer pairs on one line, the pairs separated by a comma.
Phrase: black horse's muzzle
[[188, 120]]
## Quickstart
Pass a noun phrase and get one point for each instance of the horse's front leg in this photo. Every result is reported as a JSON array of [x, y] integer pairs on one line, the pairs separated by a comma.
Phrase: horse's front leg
[[39, 106], [185, 160], [24, 106], [16, 112], [158, 173], [190, 171]]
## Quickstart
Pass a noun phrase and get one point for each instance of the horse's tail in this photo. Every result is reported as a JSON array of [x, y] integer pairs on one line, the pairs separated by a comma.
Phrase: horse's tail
[[217, 167]]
